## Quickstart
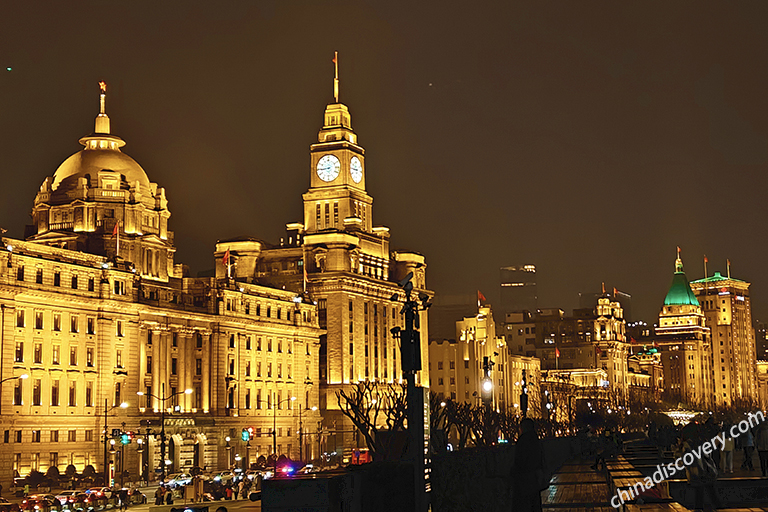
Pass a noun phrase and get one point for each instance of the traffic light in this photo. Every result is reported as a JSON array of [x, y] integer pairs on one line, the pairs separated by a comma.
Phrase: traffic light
[[125, 438], [245, 435]]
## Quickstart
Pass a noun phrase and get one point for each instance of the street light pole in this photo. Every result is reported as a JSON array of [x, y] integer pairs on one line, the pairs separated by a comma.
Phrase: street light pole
[[123, 405], [162, 400], [274, 425]]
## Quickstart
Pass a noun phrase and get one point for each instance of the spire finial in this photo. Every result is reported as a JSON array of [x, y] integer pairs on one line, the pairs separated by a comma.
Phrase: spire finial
[[103, 97], [336, 77], [678, 261], [102, 120]]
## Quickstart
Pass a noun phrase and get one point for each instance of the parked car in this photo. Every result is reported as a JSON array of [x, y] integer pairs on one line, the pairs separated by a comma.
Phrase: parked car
[[178, 479], [223, 477], [98, 496], [40, 503], [136, 497], [82, 501], [7, 506]]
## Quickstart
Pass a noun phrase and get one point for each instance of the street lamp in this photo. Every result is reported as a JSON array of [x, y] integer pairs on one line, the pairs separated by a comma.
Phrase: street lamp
[[162, 400], [301, 432], [107, 409], [274, 425]]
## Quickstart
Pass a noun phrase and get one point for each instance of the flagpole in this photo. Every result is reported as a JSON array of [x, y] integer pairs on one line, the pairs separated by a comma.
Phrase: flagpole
[[117, 252], [705, 267]]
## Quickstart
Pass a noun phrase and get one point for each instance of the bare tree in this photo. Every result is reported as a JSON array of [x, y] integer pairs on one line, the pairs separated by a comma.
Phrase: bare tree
[[375, 407]]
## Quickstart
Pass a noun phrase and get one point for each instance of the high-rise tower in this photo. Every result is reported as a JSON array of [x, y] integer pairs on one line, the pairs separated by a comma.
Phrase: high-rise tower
[[726, 305], [685, 343]]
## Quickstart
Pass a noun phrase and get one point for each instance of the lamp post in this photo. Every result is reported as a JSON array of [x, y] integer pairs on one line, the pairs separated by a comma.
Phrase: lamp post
[[274, 425], [107, 409], [162, 400], [301, 433]]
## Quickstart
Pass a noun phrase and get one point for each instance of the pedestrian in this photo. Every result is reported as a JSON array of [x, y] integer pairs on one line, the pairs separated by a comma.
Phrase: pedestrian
[[242, 488], [169, 497], [761, 443], [229, 492], [727, 452], [528, 477], [748, 445], [702, 474], [159, 495], [123, 496]]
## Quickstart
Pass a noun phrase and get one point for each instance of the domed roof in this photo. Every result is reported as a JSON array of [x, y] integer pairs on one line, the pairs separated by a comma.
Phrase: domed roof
[[91, 161]]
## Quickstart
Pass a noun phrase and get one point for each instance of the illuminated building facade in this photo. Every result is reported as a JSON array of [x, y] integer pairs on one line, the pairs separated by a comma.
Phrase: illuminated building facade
[[685, 344], [457, 373], [727, 308], [93, 310], [339, 259], [762, 384], [590, 339]]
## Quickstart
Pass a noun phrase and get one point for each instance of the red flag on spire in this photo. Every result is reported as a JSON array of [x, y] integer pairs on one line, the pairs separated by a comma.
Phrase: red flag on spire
[[706, 260], [116, 229], [557, 352], [225, 259], [481, 297]]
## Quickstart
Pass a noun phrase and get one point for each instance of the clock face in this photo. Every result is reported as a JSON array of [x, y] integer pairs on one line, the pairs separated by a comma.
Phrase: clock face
[[356, 169], [328, 168]]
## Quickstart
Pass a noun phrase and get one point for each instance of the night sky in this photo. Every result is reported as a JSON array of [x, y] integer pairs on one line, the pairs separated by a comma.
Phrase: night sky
[[587, 138]]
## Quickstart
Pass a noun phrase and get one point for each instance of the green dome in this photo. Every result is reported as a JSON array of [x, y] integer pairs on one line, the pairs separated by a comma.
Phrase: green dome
[[680, 293]]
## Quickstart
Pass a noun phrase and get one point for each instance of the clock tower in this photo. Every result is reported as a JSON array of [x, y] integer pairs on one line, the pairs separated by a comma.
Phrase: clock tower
[[337, 199]]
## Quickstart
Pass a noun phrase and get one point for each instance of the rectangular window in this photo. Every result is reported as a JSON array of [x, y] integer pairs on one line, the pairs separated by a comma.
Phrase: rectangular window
[[174, 363], [73, 324], [89, 435], [231, 341], [7, 436], [248, 343], [198, 366], [72, 436], [35, 436], [89, 357], [20, 320], [258, 368], [118, 393], [258, 343], [248, 399], [258, 399], [90, 284], [17, 392], [269, 370], [55, 354], [149, 364], [175, 339], [38, 354], [73, 356], [198, 340], [247, 368], [57, 278], [54, 460], [72, 394], [89, 394], [20, 273], [119, 358], [38, 319], [279, 370], [36, 392], [119, 287], [120, 329], [55, 393], [18, 436], [39, 276], [74, 282], [57, 322], [19, 354], [54, 436]]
